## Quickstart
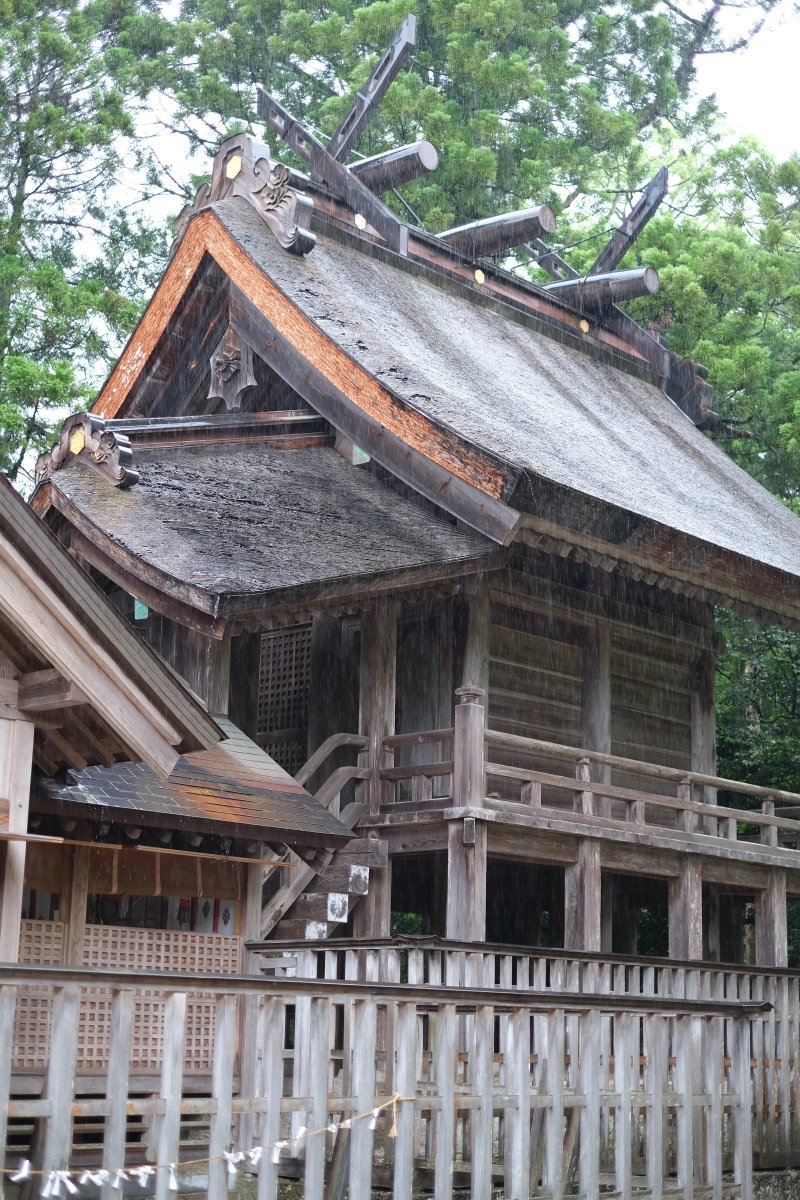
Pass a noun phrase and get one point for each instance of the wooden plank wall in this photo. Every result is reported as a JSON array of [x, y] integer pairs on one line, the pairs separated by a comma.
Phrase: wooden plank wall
[[539, 629]]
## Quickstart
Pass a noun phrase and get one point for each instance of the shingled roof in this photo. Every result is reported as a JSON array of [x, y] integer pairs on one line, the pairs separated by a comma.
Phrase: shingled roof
[[228, 523], [234, 789], [493, 403]]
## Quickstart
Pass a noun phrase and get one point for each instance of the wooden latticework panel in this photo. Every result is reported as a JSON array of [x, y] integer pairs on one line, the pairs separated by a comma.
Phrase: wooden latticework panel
[[283, 695], [39, 942], [115, 948]]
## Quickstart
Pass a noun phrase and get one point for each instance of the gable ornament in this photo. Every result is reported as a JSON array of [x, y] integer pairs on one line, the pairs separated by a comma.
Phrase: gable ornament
[[242, 167], [231, 369], [84, 437]]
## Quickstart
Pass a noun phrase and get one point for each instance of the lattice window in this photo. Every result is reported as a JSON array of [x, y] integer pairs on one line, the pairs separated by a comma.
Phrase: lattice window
[[115, 948], [283, 696]]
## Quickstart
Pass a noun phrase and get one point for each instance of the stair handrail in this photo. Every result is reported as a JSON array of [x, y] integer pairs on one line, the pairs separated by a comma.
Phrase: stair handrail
[[327, 748]]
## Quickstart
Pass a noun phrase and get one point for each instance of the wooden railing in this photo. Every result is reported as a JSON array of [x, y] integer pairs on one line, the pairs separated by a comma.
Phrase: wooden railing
[[370, 1081], [591, 796]]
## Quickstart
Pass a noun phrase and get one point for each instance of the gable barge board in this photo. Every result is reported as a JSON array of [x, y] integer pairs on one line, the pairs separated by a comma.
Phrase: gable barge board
[[456, 458], [420, 470]]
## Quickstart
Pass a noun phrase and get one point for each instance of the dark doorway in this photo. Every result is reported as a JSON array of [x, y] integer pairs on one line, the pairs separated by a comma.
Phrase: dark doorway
[[524, 903], [419, 894], [639, 916]]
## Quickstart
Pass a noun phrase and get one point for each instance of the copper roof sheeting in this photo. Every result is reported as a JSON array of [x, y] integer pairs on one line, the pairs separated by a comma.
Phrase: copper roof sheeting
[[234, 790]]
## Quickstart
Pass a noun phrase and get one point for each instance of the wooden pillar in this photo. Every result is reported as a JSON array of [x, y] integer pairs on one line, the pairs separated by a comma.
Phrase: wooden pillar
[[771, 932], [686, 911], [249, 1005], [16, 758], [703, 730], [607, 913], [475, 670], [596, 714], [583, 899], [76, 913], [712, 928], [466, 837], [377, 685]]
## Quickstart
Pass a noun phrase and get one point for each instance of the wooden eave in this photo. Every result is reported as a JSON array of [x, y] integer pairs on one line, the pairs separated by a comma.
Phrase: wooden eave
[[214, 613]]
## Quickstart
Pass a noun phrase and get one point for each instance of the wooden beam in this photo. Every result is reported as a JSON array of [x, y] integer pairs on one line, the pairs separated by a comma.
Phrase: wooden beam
[[582, 899], [40, 690], [34, 608], [16, 757], [686, 911]]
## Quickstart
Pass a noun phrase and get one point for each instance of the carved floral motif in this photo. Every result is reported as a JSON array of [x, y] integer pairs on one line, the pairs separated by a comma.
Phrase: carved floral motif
[[231, 369], [243, 168], [85, 437]]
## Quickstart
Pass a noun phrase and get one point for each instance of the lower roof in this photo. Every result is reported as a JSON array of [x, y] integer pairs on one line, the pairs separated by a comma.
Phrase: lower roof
[[234, 789], [243, 520]]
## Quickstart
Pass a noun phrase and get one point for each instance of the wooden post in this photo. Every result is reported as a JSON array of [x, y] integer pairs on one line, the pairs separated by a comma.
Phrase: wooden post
[[406, 1084], [771, 926], [171, 1083], [704, 731], [377, 688], [59, 1087], [222, 1091], [686, 911], [76, 913], [583, 899], [596, 716], [273, 1030], [248, 1039], [8, 1002], [119, 1058], [16, 758], [466, 838], [606, 913], [361, 1136], [476, 649]]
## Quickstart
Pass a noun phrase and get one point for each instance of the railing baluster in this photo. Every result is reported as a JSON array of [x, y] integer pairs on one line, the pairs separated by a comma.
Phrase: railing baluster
[[318, 1055], [406, 1082], [589, 1078], [119, 1057], [8, 1004], [171, 1080], [222, 1092], [273, 1017], [554, 1168], [60, 1080], [361, 1138], [445, 1068]]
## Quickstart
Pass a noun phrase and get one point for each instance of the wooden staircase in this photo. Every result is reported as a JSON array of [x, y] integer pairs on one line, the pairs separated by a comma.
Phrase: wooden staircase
[[330, 896], [324, 890]]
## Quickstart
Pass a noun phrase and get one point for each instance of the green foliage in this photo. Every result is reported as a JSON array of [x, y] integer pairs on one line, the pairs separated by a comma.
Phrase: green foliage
[[74, 268], [525, 101]]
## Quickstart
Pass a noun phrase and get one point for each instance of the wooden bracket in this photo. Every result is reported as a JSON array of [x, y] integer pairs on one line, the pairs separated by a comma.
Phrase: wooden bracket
[[231, 369], [84, 437]]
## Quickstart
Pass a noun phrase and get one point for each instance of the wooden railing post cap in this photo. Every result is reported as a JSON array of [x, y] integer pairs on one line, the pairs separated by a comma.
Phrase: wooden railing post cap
[[470, 693]]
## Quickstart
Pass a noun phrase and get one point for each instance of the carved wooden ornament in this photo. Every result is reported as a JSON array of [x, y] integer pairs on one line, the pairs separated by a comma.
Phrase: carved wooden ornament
[[243, 167], [85, 437], [231, 369]]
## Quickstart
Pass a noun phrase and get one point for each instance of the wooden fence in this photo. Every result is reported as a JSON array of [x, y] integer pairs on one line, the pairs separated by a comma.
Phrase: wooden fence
[[456, 1077]]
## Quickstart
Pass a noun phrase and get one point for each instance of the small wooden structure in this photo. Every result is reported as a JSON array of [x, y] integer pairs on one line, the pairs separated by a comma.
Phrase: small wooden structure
[[446, 545]]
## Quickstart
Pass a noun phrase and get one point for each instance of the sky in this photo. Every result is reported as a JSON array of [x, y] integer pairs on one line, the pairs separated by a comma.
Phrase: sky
[[759, 89]]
